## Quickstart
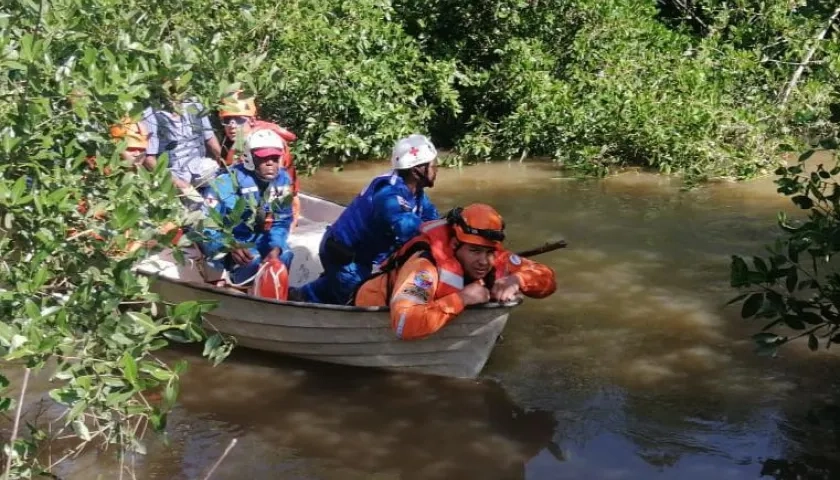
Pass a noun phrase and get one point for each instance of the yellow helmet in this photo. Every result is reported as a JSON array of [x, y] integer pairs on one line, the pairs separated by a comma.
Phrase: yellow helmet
[[234, 106], [135, 133]]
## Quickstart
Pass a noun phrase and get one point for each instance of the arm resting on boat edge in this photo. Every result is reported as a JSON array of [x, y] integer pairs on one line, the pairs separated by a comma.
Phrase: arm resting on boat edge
[[535, 279], [414, 311]]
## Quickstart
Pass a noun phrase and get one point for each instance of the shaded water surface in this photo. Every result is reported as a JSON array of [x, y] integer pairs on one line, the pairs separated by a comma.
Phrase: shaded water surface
[[634, 369]]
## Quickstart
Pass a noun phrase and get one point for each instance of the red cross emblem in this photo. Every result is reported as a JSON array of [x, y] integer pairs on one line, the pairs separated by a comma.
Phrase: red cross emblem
[[414, 151]]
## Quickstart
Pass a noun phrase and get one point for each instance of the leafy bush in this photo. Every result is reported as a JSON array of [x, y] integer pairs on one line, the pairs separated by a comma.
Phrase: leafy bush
[[596, 85], [797, 285], [342, 75], [69, 209]]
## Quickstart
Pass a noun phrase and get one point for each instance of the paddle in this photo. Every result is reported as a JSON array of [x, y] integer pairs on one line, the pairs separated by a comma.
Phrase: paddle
[[549, 246]]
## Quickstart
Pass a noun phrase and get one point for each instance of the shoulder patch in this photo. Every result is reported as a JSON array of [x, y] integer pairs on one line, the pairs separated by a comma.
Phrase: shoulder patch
[[514, 259], [423, 279], [416, 292], [404, 203]]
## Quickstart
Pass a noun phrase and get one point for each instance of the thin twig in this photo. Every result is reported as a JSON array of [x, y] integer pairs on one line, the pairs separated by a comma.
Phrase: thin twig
[[818, 327], [16, 425], [227, 450], [798, 73], [80, 234], [782, 62], [73, 451], [686, 9]]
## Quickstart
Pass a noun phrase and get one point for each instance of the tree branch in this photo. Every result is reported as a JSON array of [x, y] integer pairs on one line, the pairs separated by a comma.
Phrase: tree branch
[[801, 69], [13, 439]]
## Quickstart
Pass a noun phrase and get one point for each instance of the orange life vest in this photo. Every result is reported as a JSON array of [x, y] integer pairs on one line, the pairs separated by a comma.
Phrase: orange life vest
[[435, 240]]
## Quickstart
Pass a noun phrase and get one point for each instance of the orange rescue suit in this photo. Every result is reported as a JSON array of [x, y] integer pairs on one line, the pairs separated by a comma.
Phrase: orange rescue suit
[[422, 280]]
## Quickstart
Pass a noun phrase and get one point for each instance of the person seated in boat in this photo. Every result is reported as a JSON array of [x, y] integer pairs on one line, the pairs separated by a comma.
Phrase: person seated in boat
[[182, 130], [386, 214], [266, 188], [452, 263], [136, 136], [238, 116]]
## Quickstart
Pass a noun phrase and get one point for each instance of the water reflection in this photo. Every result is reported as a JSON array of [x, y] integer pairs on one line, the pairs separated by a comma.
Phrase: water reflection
[[399, 426]]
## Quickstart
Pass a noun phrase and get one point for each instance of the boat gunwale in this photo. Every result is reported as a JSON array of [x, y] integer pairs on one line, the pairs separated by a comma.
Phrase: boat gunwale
[[312, 305], [307, 305]]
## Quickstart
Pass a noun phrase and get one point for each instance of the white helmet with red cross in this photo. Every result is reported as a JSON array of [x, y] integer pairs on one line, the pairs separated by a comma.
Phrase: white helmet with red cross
[[412, 151]]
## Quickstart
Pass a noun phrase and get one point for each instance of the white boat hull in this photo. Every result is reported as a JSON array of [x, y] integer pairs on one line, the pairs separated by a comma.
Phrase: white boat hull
[[330, 333]]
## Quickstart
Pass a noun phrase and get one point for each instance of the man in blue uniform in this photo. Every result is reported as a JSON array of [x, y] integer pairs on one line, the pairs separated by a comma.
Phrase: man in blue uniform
[[266, 188], [386, 214]]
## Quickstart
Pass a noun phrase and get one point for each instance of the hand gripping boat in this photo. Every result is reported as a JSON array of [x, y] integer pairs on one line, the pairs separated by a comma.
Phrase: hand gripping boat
[[359, 336]]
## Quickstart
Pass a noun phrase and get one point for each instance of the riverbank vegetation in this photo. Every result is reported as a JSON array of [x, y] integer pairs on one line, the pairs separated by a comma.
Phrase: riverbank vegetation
[[703, 88]]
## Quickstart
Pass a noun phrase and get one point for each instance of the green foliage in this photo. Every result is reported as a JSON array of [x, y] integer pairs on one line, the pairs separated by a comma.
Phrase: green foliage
[[599, 85], [797, 284], [344, 76], [69, 208]]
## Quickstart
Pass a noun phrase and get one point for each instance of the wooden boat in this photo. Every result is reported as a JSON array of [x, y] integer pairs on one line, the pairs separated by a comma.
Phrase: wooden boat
[[328, 333]]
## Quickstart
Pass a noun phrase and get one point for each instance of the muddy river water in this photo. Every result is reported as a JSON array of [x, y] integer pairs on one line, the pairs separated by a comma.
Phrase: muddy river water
[[634, 369]]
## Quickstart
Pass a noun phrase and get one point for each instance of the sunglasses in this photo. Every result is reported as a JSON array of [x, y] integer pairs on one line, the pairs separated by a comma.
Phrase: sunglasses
[[237, 121]]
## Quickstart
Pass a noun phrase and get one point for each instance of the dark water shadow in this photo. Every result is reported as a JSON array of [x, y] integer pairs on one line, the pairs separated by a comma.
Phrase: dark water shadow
[[368, 421]]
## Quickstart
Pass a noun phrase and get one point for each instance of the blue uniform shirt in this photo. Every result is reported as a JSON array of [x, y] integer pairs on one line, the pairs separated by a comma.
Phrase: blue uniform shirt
[[275, 202], [385, 215]]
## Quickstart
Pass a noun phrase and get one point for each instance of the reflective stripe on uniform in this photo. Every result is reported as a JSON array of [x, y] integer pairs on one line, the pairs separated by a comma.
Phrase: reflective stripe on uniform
[[451, 278], [401, 325], [430, 225]]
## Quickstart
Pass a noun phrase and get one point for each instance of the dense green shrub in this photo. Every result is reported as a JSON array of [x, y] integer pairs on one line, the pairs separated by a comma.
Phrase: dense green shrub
[[598, 84], [796, 286], [345, 77]]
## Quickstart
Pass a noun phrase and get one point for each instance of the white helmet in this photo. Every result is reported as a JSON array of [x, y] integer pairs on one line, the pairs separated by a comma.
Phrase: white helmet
[[412, 151], [268, 141]]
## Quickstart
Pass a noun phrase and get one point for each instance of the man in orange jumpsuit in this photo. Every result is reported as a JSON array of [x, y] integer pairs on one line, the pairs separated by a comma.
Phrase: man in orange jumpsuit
[[452, 263]]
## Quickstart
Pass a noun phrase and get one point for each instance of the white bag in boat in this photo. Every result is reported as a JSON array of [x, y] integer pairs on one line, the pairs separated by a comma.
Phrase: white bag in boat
[[202, 171]]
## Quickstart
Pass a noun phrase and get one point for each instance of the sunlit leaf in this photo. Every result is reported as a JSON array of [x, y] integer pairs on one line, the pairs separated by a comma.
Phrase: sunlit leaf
[[129, 368]]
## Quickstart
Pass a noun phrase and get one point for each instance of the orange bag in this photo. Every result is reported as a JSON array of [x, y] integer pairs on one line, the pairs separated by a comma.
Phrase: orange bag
[[272, 281]]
